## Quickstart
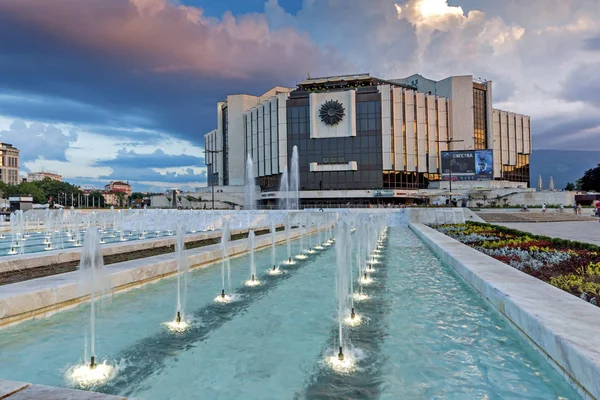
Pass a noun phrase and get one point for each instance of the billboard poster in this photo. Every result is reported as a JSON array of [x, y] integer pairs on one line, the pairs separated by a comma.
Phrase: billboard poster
[[484, 166], [467, 165]]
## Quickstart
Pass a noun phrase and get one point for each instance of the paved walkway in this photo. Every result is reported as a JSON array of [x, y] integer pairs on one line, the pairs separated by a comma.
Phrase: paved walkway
[[588, 231], [532, 216]]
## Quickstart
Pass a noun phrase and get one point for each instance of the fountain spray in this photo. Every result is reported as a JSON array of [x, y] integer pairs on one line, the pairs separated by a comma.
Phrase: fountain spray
[[182, 273], [288, 237], [94, 281], [224, 258], [295, 180], [273, 240], [252, 262], [341, 284]]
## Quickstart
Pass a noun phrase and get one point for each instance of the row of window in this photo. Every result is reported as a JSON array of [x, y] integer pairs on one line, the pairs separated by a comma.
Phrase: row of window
[[519, 172], [341, 180], [357, 180], [225, 124], [407, 180], [9, 161], [9, 176], [480, 118], [269, 116]]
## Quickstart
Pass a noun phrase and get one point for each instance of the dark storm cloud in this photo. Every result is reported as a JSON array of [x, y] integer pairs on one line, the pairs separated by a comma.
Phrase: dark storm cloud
[[555, 132], [158, 159], [583, 84], [139, 63]]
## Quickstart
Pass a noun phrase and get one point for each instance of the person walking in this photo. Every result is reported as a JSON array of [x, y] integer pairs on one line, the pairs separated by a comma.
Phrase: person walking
[[543, 207], [598, 210], [578, 209], [575, 208]]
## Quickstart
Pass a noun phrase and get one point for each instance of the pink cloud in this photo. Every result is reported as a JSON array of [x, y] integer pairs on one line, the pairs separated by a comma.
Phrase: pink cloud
[[159, 37]]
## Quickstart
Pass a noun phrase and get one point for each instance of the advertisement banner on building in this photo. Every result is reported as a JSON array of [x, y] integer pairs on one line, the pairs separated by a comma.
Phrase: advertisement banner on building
[[467, 165], [484, 166]]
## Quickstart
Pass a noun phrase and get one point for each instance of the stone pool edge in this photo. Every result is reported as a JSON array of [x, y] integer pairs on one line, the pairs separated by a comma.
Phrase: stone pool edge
[[560, 325], [45, 296], [13, 389]]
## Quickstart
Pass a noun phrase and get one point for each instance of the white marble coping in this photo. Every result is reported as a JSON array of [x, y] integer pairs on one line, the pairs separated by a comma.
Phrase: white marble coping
[[12, 390], [42, 296], [39, 259], [562, 326]]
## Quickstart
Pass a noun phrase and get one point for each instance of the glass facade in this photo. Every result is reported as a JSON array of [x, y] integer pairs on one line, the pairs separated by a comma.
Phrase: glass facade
[[225, 125], [519, 172], [480, 117], [407, 180], [364, 148], [212, 178]]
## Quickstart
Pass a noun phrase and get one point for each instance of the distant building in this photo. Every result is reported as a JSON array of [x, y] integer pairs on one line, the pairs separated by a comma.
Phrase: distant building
[[118, 187], [116, 193], [40, 176], [111, 199], [9, 164]]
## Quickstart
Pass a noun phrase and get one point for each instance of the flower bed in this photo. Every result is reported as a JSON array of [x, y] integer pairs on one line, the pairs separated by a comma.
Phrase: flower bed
[[571, 266]]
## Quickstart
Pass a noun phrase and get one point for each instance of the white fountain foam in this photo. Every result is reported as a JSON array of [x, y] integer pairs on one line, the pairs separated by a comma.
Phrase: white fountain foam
[[349, 364], [360, 297], [83, 376]]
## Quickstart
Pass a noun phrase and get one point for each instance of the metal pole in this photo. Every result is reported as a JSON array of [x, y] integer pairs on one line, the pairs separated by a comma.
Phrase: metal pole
[[450, 183], [212, 181]]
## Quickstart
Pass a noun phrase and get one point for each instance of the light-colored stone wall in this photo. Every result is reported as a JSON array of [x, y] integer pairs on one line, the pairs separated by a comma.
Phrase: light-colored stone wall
[[25, 391]]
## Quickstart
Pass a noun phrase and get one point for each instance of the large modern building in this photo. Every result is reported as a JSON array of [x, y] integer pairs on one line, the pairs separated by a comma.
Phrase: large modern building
[[361, 138], [9, 164]]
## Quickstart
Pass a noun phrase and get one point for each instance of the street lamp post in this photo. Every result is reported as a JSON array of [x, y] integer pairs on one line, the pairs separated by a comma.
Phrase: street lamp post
[[212, 181], [212, 186]]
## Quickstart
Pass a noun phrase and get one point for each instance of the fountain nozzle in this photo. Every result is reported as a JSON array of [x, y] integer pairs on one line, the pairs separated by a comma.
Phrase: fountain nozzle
[[274, 268], [93, 363], [290, 259], [178, 317], [222, 293], [341, 354], [352, 314], [365, 275], [252, 278], [370, 266]]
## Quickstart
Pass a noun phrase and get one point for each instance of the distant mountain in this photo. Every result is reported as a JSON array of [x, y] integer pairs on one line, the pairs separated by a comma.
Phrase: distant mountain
[[563, 165]]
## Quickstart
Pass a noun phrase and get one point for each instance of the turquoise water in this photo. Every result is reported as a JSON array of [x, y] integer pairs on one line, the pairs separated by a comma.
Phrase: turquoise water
[[35, 243], [426, 335]]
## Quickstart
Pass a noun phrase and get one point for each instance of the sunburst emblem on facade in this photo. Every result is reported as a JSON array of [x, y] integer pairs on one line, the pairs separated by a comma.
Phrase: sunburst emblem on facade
[[331, 112]]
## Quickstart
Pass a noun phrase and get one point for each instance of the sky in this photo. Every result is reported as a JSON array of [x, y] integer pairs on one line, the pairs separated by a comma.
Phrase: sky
[[101, 90]]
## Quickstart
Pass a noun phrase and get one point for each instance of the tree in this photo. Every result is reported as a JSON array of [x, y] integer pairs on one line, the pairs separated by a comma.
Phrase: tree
[[137, 195], [570, 186], [96, 199], [120, 198], [590, 181], [30, 188]]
